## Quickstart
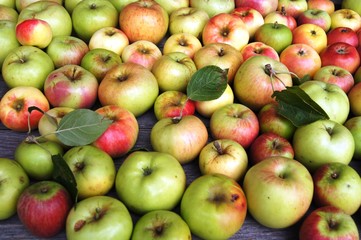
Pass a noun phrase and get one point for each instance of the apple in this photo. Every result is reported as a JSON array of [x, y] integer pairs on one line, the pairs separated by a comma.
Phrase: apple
[[34, 32], [8, 13], [88, 16], [357, 74], [325, 5], [7, 39], [235, 121], [337, 184], [110, 38], [119, 5], [321, 142], [129, 85], [345, 18], [142, 52], [122, 134], [214, 7], [137, 21], [351, 4], [93, 169], [354, 125], [336, 75], [219, 54], [26, 66], [258, 48], [214, 206], [330, 97], [301, 59], [70, 5], [264, 7], [315, 16], [182, 137], [226, 28], [281, 17], [311, 35], [8, 3], [328, 222], [276, 35], [99, 61], [279, 191], [170, 104], [269, 144], [207, 108], [188, 20], [293, 7], [71, 86], [36, 157], [53, 13], [99, 217], [14, 106], [43, 208], [148, 181], [172, 5], [342, 34], [173, 71], [21, 4], [182, 42], [224, 156], [14, 180], [354, 96], [251, 17], [270, 121], [162, 224], [257, 79], [64, 50], [341, 54]]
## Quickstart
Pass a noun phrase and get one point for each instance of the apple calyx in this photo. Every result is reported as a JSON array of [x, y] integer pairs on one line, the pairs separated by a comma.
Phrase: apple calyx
[[98, 214], [158, 228], [147, 171], [18, 105]]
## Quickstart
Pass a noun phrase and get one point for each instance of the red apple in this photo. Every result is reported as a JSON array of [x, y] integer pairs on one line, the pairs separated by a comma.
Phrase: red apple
[[311, 35], [259, 48], [281, 17], [251, 17], [326, 5], [316, 16], [262, 6], [335, 75], [34, 32], [121, 136], [269, 145], [342, 34]]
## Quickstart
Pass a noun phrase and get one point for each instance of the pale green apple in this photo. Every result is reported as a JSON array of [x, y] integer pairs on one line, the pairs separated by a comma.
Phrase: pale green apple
[[8, 41], [354, 125]]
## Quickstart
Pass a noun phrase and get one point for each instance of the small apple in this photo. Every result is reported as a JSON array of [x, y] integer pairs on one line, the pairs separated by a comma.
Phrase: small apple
[[336, 75], [182, 42], [110, 38], [34, 32]]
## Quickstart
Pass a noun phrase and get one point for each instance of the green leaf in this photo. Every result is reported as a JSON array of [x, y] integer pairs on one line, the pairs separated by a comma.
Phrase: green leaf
[[81, 127], [207, 83], [298, 107], [63, 175]]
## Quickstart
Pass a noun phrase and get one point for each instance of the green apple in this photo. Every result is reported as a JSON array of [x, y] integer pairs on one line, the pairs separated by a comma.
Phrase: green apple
[[161, 224], [70, 5], [119, 5], [88, 16], [8, 3], [354, 125], [8, 13], [99, 217], [51, 12], [214, 7], [26, 66], [8, 39], [330, 97], [36, 157], [321, 142], [352, 4], [13, 180], [279, 191], [21, 4], [337, 184], [93, 169], [148, 181], [214, 206]]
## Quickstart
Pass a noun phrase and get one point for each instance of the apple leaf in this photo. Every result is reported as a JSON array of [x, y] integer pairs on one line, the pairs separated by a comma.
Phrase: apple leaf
[[81, 127], [298, 107], [63, 175], [207, 83]]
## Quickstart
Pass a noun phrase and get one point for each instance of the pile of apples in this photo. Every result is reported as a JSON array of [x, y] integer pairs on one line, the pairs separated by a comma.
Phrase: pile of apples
[[123, 59]]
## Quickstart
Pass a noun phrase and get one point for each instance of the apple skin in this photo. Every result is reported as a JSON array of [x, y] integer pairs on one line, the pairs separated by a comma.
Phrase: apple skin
[[235, 121], [172, 5], [110, 38], [354, 125], [336, 75], [129, 85], [14, 106], [161, 224], [36, 158], [182, 137], [213, 7], [293, 7], [8, 13], [14, 181], [21, 4], [351, 4], [345, 18], [251, 17], [342, 34], [34, 32], [326, 5], [264, 7], [354, 96], [281, 17], [93, 169], [328, 223], [279, 191], [121, 136], [43, 208], [148, 181], [173, 104], [7, 38], [214, 206], [182, 42], [224, 156], [321, 142], [99, 217], [312, 35], [318, 17], [258, 48], [339, 185]]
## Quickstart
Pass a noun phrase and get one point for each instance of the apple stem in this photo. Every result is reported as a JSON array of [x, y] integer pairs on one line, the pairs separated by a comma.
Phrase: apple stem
[[332, 223], [178, 118], [283, 10], [334, 175], [218, 147], [273, 74]]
